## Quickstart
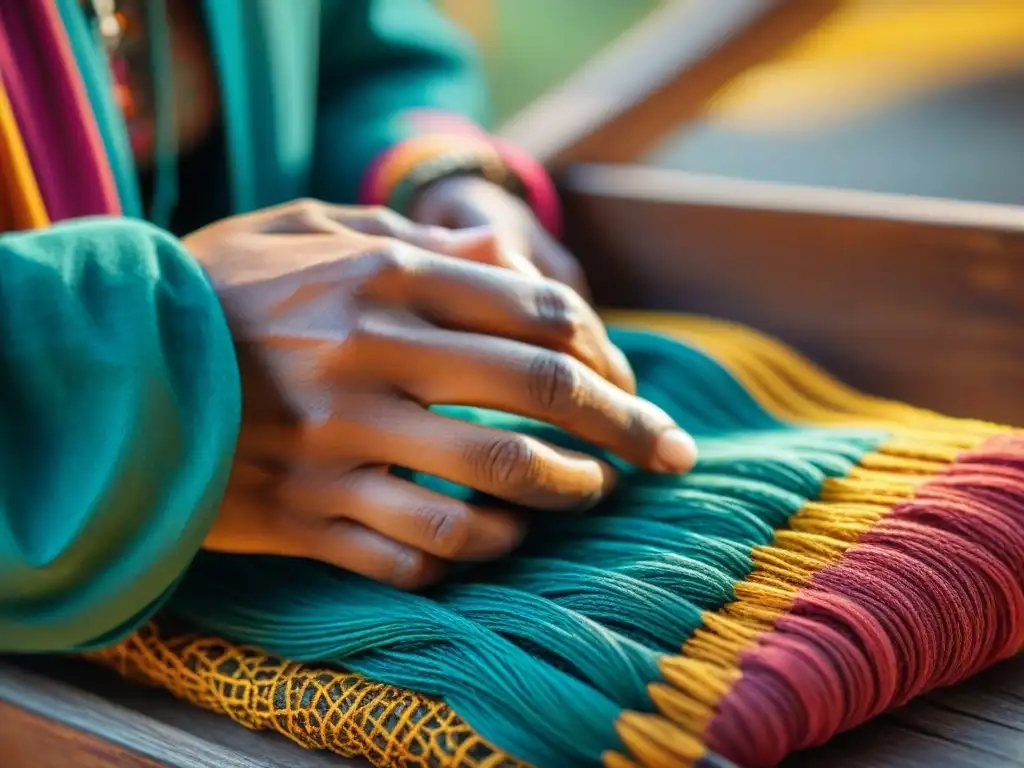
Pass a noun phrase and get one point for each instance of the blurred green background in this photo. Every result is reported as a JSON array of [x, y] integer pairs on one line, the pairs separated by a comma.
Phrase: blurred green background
[[532, 45]]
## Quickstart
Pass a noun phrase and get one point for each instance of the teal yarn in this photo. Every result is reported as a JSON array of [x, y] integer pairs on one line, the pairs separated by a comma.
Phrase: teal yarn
[[542, 651], [417, 642]]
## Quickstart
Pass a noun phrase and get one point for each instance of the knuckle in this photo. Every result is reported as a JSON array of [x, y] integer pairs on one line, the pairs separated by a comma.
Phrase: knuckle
[[642, 426], [307, 207], [306, 215], [507, 462], [390, 259], [558, 310], [445, 527], [553, 381], [369, 331], [307, 204]]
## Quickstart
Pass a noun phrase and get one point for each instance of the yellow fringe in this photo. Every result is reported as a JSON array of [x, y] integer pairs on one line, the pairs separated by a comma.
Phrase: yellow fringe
[[794, 389], [791, 388]]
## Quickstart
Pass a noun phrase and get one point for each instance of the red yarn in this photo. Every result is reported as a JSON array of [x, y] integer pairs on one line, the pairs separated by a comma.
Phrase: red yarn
[[934, 592]]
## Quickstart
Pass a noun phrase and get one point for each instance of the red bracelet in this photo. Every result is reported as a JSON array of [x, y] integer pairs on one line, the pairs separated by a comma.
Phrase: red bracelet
[[541, 194], [540, 191]]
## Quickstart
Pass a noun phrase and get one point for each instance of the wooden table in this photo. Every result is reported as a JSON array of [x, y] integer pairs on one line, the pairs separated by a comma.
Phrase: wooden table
[[61, 714]]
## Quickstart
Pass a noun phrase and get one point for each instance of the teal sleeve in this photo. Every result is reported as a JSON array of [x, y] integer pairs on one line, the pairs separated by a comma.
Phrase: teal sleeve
[[119, 411], [380, 59]]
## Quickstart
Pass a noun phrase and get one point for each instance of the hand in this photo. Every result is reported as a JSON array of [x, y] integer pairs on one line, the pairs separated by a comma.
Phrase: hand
[[346, 334], [469, 201]]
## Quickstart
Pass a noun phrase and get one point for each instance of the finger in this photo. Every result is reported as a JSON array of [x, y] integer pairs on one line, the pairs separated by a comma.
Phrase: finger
[[437, 366], [356, 548], [468, 204], [310, 216], [409, 514], [495, 250], [480, 243], [482, 299], [514, 467], [379, 221], [388, 431]]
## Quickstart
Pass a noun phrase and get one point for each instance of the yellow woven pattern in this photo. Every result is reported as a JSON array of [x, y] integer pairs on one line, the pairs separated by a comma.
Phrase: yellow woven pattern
[[316, 707], [348, 714]]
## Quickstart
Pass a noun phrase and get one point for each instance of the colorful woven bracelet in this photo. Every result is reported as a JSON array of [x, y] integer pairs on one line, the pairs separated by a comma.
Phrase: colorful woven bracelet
[[391, 179], [399, 161], [535, 185], [443, 167], [538, 189]]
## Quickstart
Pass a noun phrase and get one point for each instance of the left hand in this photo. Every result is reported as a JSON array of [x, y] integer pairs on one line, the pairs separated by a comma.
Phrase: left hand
[[469, 201]]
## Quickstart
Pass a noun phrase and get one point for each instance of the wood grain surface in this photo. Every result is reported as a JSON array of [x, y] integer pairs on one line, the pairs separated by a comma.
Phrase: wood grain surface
[[80, 713], [914, 299]]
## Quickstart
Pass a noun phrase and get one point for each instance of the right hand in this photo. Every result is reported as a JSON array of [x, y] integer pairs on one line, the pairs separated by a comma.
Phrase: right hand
[[349, 323]]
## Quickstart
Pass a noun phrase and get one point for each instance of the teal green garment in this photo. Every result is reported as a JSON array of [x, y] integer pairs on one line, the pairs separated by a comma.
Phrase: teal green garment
[[120, 394], [120, 404], [313, 90]]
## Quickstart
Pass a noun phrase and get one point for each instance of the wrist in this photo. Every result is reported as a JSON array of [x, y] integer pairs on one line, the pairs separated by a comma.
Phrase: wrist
[[443, 203]]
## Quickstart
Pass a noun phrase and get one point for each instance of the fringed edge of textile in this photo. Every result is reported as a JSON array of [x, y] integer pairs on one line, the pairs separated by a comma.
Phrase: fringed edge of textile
[[877, 591]]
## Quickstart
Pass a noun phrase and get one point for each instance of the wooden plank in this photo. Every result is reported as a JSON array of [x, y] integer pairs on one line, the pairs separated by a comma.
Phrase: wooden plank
[[84, 713], [915, 299], [657, 76], [85, 710], [33, 741], [980, 722]]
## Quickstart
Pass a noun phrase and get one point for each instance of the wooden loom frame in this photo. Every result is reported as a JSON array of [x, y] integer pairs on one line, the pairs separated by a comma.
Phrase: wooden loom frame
[[884, 290]]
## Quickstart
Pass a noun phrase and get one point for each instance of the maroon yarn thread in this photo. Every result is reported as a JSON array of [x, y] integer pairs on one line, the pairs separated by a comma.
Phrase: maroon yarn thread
[[933, 593]]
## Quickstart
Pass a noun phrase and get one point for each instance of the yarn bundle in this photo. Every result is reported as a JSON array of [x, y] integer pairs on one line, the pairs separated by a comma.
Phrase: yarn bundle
[[830, 557]]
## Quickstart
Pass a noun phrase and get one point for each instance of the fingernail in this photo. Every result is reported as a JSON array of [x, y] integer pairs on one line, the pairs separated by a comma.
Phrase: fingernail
[[674, 451]]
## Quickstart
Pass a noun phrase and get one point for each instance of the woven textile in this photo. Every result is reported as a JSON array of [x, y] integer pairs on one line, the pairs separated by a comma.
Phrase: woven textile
[[831, 556]]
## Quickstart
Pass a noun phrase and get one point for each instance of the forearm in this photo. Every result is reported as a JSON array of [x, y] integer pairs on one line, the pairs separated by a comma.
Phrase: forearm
[[120, 400]]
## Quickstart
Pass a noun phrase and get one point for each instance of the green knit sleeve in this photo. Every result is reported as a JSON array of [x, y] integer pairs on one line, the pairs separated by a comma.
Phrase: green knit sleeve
[[119, 411], [380, 60]]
